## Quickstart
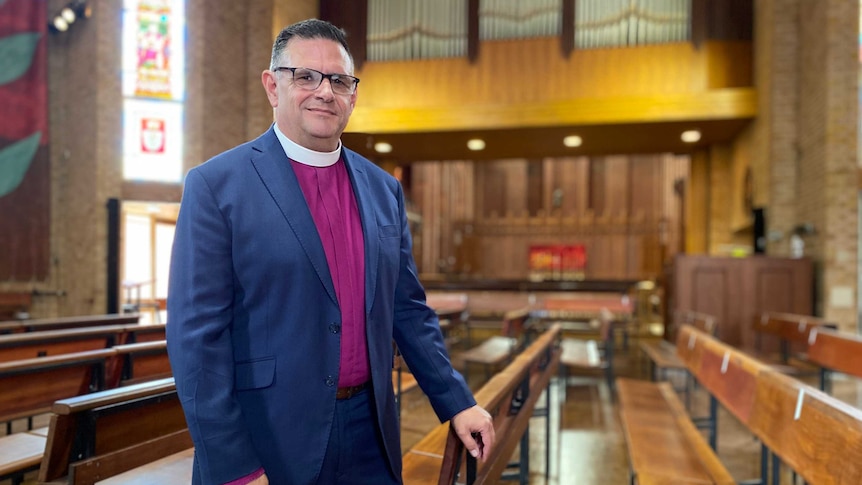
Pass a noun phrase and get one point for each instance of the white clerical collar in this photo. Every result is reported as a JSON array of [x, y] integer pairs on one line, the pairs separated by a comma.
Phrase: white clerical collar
[[305, 156]]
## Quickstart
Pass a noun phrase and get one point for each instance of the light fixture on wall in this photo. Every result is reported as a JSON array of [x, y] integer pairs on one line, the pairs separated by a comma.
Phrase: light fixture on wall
[[690, 136], [69, 14], [572, 141]]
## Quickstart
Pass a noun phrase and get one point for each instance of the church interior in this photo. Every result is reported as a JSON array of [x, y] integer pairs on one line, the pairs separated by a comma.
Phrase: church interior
[[636, 220]]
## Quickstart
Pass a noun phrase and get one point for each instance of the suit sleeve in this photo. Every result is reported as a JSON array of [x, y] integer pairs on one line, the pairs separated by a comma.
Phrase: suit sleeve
[[418, 336], [200, 303]]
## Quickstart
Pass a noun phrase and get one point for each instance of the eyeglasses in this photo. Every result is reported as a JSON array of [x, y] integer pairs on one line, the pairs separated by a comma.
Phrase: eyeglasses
[[310, 79]]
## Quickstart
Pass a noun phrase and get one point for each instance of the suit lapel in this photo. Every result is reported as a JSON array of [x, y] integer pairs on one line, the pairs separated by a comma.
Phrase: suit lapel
[[363, 194], [273, 167]]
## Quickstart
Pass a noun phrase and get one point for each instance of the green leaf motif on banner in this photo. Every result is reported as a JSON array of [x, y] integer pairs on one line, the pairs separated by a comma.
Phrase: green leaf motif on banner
[[16, 55], [15, 159]]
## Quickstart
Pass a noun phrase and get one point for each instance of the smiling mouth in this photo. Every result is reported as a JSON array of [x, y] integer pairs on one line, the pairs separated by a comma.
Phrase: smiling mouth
[[322, 111]]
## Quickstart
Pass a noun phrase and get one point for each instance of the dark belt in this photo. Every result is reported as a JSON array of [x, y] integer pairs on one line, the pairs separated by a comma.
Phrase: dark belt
[[348, 392]]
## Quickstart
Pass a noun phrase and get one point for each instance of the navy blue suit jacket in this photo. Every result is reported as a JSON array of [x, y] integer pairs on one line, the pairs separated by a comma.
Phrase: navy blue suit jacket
[[254, 325]]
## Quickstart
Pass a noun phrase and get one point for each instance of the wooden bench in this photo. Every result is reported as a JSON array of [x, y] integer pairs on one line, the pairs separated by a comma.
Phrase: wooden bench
[[30, 388], [819, 437], [138, 362], [835, 351], [664, 446], [590, 355], [662, 355], [791, 333], [498, 350], [19, 346], [451, 309], [61, 323], [118, 431], [510, 396]]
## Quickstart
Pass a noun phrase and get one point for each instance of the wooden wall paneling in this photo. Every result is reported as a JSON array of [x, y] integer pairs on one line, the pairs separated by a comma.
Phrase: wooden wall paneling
[[777, 285], [709, 285], [617, 188]]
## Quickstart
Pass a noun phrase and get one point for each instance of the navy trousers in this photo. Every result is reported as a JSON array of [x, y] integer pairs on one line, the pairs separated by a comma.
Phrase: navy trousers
[[355, 454]]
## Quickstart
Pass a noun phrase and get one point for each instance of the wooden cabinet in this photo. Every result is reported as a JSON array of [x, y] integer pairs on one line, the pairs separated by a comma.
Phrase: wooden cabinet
[[737, 290]]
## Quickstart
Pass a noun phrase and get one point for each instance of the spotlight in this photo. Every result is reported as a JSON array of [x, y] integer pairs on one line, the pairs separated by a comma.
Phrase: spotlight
[[60, 24], [68, 14], [74, 10]]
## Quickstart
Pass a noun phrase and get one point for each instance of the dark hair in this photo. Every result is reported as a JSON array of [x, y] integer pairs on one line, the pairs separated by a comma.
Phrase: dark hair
[[308, 29]]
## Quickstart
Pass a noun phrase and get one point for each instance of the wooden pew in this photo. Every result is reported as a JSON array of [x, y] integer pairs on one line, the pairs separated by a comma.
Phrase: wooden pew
[[61, 323], [663, 443], [818, 436], [138, 362], [30, 387], [833, 350], [118, 431], [511, 396], [792, 333], [55, 342], [451, 309], [661, 354], [590, 355], [498, 350]]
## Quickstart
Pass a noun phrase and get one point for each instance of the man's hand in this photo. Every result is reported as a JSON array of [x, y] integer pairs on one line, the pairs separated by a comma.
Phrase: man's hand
[[475, 427]]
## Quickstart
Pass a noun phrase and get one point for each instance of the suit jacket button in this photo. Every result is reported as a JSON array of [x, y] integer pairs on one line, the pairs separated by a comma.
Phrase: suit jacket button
[[334, 327], [330, 381]]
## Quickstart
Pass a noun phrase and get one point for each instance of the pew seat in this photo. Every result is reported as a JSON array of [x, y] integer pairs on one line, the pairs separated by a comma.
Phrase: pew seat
[[590, 355], [175, 469], [20, 453], [494, 352], [664, 445]]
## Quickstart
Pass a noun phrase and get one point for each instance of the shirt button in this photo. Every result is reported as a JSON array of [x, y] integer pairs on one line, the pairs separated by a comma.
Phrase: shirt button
[[334, 327], [330, 381]]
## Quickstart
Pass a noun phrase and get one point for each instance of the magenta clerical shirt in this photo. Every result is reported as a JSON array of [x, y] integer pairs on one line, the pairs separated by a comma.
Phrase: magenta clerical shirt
[[333, 207]]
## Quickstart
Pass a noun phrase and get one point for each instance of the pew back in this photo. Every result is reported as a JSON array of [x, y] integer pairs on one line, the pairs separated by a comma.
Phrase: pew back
[[839, 351], [31, 386], [511, 396], [817, 435], [61, 323]]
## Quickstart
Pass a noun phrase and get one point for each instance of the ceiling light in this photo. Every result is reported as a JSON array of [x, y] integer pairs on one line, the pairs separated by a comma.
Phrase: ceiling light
[[572, 141], [476, 144], [382, 147], [690, 136], [68, 14], [60, 24]]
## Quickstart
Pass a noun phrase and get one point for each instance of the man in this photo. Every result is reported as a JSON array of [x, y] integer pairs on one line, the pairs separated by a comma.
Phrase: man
[[291, 275]]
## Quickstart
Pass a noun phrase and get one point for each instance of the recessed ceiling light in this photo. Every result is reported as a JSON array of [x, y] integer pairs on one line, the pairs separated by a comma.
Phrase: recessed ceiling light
[[690, 136], [476, 144], [382, 147], [572, 141]]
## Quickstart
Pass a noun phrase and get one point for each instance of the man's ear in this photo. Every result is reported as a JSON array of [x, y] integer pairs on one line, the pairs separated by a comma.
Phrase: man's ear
[[267, 78]]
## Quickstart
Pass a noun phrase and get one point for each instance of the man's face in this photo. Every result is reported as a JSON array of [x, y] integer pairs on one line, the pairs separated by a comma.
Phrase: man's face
[[316, 118]]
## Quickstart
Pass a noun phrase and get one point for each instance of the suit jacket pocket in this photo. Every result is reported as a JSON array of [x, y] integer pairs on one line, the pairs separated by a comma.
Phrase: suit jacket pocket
[[254, 374], [392, 230]]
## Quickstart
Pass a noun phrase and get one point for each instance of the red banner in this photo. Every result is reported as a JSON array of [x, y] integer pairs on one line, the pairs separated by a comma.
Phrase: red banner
[[24, 165], [558, 262]]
